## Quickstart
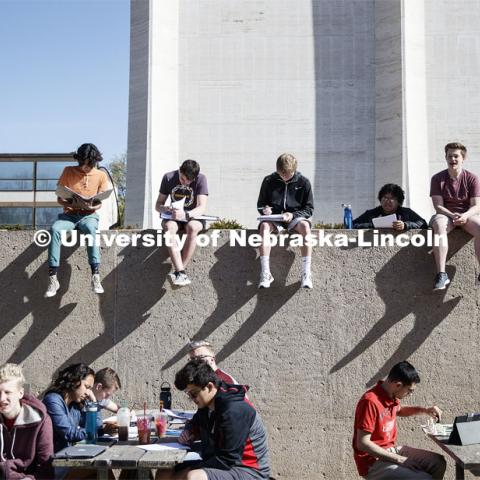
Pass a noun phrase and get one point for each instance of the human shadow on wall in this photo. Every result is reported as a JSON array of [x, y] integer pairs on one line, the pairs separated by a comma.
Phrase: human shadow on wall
[[236, 282], [412, 296], [125, 308], [23, 295]]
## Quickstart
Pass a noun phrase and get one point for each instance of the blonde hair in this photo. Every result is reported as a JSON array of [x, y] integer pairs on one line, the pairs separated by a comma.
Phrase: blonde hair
[[12, 371], [286, 162], [199, 344]]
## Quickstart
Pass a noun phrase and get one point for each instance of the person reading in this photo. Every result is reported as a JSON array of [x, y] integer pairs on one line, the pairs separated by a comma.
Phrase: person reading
[[376, 453], [391, 198], [233, 438], [87, 181]]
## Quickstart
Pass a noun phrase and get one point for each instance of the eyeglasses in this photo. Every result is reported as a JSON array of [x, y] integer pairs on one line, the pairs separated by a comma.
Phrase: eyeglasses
[[193, 394]]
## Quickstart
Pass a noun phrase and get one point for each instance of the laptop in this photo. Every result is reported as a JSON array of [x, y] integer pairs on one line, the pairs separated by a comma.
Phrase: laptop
[[81, 451]]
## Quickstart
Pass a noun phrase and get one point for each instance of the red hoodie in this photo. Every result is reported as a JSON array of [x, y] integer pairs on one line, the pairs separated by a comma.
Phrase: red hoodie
[[27, 450]]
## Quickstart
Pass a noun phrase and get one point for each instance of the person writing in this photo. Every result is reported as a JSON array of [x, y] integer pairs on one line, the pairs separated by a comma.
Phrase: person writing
[[286, 192]]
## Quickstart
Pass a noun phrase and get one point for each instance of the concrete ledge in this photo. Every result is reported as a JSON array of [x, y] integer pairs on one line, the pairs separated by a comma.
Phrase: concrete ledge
[[307, 355]]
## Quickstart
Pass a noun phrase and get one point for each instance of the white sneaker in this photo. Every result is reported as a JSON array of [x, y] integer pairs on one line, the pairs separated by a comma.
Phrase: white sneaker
[[307, 280], [96, 285], [53, 286], [181, 280], [266, 279]]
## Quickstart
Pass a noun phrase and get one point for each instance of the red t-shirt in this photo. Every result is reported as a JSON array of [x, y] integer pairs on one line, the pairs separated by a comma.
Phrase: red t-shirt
[[456, 192], [9, 422], [227, 378], [376, 413]]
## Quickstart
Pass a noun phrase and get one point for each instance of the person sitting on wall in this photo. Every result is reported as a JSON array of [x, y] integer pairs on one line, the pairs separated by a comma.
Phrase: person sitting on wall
[[86, 180], [26, 438], [455, 195], [391, 198], [65, 399], [286, 192], [375, 433], [233, 437], [203, 350], [189, 184]]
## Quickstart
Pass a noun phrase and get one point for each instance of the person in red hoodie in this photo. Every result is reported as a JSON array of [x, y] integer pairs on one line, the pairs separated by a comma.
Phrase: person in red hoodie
[[26, 437]]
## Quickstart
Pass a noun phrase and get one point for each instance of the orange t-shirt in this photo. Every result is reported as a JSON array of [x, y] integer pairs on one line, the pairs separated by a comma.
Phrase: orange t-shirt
[[85, 184]]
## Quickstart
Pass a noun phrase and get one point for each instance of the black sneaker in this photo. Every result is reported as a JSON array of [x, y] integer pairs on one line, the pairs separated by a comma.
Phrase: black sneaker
[[441, 281]]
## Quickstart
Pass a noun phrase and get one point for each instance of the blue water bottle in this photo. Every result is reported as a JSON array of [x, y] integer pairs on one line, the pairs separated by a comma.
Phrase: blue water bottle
[[91, 422], [347, 216]]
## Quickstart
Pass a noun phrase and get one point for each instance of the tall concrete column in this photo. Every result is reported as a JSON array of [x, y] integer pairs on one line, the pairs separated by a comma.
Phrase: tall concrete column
[[153, 106], [401, 136]]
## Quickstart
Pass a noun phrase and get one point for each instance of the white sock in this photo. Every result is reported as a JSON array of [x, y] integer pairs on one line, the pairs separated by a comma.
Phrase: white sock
[[306, 262], [265, 264]]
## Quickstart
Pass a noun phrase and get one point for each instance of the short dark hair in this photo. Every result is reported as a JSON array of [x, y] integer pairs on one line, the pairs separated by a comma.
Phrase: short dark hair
[[456, 146], [69, 378], [394, 190], [108, 377], [404, 372], [190, 168], [196, 372], [88, 154]]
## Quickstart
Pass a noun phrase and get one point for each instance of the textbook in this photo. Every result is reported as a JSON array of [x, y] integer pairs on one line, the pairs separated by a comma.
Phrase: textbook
[[66, 194], [278, 217]]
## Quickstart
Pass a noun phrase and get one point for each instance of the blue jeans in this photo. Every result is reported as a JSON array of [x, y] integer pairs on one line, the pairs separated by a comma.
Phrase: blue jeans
[[67, 222]]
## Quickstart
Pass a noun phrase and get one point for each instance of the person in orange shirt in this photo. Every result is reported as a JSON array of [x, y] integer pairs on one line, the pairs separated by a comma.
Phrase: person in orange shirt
[[87, 181]]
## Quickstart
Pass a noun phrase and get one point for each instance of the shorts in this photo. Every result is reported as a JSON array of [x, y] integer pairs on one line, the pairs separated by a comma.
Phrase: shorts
[[182, 225], [439, 215], [235, 473], [289, 227]]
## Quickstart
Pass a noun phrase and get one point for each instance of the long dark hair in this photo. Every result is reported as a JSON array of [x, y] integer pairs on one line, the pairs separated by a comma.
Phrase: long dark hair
[[69, 378]]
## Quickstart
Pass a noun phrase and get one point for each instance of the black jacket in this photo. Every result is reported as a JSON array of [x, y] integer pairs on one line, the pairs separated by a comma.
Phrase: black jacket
[[232, 434], [294, 196], [406, 215]]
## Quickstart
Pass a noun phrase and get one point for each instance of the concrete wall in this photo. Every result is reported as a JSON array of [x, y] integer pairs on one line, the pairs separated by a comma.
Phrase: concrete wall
[[452, 74], [307, 355]]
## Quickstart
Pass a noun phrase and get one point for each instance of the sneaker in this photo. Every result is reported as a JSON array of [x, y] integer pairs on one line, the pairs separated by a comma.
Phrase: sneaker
[[53, 286], [181, 279], [266, 280], [96, 285], [441, 281], [307, 280]]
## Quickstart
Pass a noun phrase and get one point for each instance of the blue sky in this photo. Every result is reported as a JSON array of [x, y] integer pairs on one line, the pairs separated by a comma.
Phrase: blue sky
[[64, 67]]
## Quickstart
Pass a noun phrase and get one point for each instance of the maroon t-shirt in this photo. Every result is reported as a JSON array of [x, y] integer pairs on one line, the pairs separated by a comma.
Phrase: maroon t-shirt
[[456, 193], [172, 187]]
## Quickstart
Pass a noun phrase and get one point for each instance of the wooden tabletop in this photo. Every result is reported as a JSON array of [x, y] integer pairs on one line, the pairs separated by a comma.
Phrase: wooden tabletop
[[467, 456], [126, 456]]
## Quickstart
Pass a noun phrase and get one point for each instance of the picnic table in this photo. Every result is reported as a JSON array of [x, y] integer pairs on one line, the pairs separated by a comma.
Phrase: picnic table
[[126, 456], [467, 457]]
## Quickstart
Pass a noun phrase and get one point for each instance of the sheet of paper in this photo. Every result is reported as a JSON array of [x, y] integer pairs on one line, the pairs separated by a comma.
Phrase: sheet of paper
[[179, 414], [157, 447], [190, 456], [179, 204], [384, 222]]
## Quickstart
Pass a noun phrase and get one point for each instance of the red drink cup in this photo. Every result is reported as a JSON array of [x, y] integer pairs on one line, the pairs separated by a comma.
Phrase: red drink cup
[[161, 424], [143, 430]]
